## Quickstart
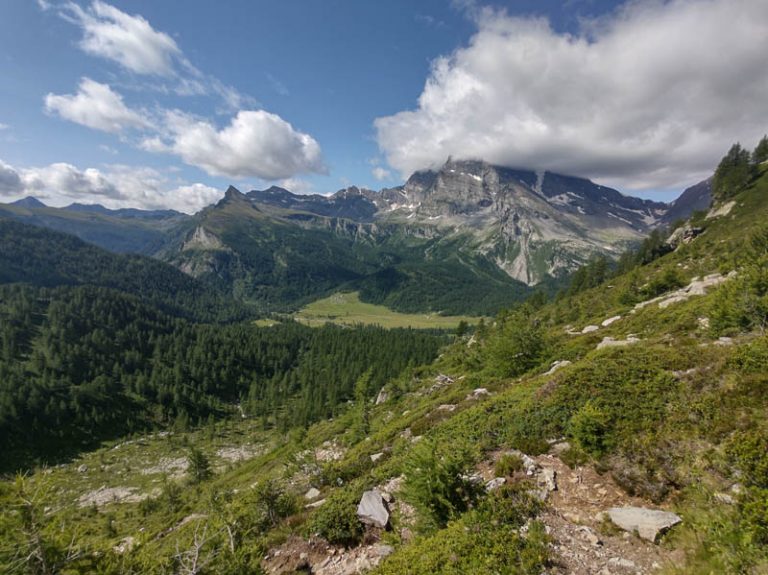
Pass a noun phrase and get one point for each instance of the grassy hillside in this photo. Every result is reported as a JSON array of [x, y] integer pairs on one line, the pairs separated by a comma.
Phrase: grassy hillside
[[45, 258], [659, 400]]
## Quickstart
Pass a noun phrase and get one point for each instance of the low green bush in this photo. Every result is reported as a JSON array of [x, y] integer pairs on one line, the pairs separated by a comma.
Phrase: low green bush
[[336, 520], [437, 482], [488, 539], [507, 465]]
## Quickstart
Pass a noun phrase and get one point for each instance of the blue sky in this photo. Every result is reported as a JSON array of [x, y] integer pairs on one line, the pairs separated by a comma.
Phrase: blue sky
[[157, 104]]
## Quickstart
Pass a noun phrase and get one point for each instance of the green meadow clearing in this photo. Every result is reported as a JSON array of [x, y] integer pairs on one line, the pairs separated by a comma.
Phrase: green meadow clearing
[[347, 309]]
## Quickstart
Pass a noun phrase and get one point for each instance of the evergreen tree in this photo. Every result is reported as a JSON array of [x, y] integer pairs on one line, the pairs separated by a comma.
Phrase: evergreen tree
[[199, 465], [760, 153], [733, 173]]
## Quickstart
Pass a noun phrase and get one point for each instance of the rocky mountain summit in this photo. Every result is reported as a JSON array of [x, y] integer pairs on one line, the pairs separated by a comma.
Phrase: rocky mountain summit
[[531, 225]]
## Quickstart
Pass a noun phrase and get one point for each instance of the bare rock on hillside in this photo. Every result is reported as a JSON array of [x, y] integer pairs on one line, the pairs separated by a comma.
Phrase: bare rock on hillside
[[372, 510], [649, 524]]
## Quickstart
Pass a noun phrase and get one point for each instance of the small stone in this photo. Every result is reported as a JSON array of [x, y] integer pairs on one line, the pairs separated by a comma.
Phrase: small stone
[[590, 536], [83, 468], [725, 499], [313, 493], [381, 550], [610, 320], [376, 456], [621, 562], [547, 478], [557, 365], [315, 505], [478, 393], [590, 329], [126, 545], [382, 397], [495, 483], [574, 518]]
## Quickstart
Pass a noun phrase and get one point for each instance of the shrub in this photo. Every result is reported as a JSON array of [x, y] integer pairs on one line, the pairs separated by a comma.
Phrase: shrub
[[516, 345], [272, 502], [667, 281], [507, 465], [753, 507], [484, 540], [574, 456], [336, 520], [749, 451], [590, 426], [437, 484]]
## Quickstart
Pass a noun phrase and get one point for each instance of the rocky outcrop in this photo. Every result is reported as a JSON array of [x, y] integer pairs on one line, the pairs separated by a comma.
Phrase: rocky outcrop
[[611, 342], [649, 524], [698, 286], [372, 510]]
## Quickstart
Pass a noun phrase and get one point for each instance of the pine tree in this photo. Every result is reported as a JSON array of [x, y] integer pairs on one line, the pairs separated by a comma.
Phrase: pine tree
[[199, 465], [760, 153], [733, 173]]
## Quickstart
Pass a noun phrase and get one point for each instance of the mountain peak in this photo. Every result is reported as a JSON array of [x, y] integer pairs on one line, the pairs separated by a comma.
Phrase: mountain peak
[[233, 192], [29, 202]]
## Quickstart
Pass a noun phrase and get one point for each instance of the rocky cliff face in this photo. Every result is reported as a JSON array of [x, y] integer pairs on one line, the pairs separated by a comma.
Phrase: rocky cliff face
[[531, 224]]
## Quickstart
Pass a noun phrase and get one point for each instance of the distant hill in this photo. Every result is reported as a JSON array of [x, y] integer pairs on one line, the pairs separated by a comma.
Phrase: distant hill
[[45, 258], [122, 231]]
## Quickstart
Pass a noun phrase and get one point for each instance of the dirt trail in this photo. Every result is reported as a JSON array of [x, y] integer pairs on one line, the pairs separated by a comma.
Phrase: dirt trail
[[581, 543]]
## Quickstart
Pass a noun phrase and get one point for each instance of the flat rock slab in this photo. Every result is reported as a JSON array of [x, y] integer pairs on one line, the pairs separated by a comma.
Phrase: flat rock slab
[[648, 523], [372, 510]]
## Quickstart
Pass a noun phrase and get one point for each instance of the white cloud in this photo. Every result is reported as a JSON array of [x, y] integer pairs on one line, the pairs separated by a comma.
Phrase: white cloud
[[116, 186], [132, 42], [10, 181], [648, 97], [297, 186], [96, 106], [66, 179], [381, 173], [128, 40], [254, 144], [4, 126]]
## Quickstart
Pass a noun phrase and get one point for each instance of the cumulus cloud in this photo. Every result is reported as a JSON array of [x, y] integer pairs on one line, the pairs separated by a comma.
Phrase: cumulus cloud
[[66, 179], [254, 144], [648, 97], [10, 181], [96, 106], [381, 173], [116, 186]]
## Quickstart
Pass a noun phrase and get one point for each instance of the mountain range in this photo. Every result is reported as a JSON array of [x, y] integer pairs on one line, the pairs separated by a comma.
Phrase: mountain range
[[469, 237]]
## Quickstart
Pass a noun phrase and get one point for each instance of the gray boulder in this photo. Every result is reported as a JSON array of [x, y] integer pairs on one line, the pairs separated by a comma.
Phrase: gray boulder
[[313, 493], [372, 510], [648, 523]]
